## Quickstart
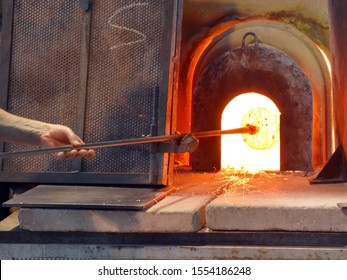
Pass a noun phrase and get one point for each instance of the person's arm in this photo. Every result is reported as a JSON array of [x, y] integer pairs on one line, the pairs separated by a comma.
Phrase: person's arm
[[21, 130]]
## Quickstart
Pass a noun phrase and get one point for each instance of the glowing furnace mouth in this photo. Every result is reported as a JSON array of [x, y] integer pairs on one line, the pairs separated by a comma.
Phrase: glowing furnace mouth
[[252, 152]]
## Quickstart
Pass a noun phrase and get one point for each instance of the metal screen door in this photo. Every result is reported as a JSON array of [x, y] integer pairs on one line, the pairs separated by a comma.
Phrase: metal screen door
[[93, 66]]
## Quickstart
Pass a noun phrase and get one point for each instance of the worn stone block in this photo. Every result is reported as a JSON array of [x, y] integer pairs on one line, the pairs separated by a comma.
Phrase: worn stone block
[[300, 207], [172, 214]]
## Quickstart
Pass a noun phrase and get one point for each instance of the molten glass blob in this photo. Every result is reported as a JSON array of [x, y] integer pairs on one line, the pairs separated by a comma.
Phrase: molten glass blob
[[268, 123]]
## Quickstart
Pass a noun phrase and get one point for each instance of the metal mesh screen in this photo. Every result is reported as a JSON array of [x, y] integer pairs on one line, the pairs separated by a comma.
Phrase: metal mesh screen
[[44, 71], [126, 45]]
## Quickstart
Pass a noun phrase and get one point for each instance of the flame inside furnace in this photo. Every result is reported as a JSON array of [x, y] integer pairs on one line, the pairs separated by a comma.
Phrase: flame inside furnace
[[257, 152]]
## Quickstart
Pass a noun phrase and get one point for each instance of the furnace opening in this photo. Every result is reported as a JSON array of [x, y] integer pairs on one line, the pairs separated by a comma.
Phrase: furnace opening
[[279, 63], [264, 69], [257, 152]]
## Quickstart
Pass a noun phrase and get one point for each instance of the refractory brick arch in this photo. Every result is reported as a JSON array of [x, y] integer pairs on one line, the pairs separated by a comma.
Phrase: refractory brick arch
[[268, 71]]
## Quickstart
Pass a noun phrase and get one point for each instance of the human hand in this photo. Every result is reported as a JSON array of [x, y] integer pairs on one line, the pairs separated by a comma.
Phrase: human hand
[[60, 135]]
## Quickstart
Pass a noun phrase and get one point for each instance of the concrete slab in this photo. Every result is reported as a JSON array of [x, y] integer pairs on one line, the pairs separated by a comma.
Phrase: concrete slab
[[172, 214], [280, 202]]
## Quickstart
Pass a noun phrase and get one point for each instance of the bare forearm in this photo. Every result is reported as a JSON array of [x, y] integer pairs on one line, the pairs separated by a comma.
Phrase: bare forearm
[[20, 130]]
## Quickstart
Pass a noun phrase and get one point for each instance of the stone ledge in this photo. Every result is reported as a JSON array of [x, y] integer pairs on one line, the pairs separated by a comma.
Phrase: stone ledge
[[298, 208], [172, 214]]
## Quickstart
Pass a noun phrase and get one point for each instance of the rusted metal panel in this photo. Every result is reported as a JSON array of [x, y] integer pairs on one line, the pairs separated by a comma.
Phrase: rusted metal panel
[[44, 71], [124, 67], [335, 169], [94, 197], [6, 40], [338, 41]]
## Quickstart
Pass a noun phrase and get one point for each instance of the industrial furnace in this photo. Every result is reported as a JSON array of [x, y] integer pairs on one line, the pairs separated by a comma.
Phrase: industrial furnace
[[140, 69]]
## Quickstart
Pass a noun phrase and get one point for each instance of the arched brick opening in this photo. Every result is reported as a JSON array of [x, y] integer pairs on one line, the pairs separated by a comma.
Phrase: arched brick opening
[[265, 70]]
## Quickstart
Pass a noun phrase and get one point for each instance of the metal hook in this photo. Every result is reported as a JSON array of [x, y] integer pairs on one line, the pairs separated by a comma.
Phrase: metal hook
[[249, 34]]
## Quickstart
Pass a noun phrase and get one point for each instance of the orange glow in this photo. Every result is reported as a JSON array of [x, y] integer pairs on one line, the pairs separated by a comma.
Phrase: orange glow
[[257, 152], [332, 116], [327, 61]]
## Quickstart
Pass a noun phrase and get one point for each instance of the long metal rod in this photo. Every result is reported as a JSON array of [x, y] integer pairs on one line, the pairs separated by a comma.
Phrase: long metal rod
[[126, 142], [249, 129]]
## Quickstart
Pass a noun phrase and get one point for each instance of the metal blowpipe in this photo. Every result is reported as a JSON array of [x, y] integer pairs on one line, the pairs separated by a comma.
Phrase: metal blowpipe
[[250, 129]]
